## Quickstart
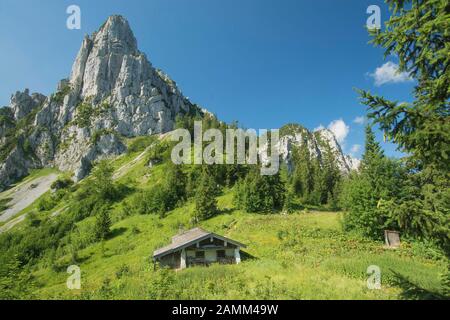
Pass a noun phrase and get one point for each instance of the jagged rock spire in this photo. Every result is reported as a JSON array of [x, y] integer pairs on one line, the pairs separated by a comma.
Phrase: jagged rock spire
[[121, 95], [22, 103], [106, 55]]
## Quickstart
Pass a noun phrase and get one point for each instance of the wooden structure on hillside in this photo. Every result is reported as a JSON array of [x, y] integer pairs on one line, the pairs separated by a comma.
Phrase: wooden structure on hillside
[[198, 247], [392, 238]]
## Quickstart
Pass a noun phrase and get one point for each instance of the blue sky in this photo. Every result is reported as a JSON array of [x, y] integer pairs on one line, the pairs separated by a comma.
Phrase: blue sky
[[264, 63]]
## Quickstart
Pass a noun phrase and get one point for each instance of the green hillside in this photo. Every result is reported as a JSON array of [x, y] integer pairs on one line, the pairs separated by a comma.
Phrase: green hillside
[[303, 255]]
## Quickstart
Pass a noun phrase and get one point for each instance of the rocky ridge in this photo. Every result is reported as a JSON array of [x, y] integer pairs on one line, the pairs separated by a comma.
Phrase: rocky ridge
[[113, 92], [318, 143]]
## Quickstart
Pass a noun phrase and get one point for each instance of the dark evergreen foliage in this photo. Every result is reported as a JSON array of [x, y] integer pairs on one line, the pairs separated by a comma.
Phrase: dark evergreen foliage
[[417, 33], [205, 197]]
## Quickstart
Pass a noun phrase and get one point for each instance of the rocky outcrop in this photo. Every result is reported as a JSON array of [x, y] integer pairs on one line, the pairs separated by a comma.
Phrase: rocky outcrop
[[318, 143], [22, 103], [113, 93], [14, 167], [82, 152], [110, 71], [7, 122]]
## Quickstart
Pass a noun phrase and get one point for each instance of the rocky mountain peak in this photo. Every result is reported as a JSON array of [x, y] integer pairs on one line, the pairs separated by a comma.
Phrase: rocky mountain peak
[[318, 143], [106, 61], [116, 36], [113, 93]]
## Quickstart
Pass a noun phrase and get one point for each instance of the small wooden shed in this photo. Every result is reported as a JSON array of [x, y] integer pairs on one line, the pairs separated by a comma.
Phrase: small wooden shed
[[392, 238], [198, 247]]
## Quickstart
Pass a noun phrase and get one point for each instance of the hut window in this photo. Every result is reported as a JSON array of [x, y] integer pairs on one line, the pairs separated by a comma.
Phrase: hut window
[[220, 253], [200, 254]]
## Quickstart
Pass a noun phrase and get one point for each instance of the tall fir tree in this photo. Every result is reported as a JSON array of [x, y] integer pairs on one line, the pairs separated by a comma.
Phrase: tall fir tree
[[373, 149], [371, 161], [205, 197], [15, 282], [288, 205], [258, 193], [329, 176], [102, 182], [417, 33], [102, 225], [304, 173], [379, 179], [175, 183]]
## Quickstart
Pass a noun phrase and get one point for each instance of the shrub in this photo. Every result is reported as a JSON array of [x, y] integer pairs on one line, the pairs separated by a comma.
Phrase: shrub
[[140, 143], [157, 200], [46, 203], [86, 207], [135, 230], [159, 152], [59, 96], [102, 182], [84, 114], [162, 285], [32, 220], [4, 204], [122, 271], [62, 183]]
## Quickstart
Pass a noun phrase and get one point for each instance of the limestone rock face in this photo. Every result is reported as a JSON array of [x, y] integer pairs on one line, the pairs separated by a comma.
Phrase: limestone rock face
[[12, 168], [83, 153], [326, 138], [7, 121], [22, 103], [110, 71], [113, 93], [15, 166], [354, 163], [318, 143]]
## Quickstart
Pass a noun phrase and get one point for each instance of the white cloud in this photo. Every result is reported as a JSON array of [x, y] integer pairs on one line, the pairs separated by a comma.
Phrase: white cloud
[[340, 129], [355, 149], [388, 73], [360, 120]]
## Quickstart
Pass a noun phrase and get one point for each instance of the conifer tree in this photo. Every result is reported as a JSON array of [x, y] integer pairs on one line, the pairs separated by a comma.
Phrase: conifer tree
[[379, 179], [261, 193], [205, 197], [102, 224], [417, 33], [330, 176], [176, 182], [372, 160], [304, 173], [373, 150], [102, 181], [288, 206], [15, 282]]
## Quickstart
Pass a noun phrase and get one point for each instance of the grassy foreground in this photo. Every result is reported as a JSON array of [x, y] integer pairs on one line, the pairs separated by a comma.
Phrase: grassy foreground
[[300, 256], [305, 255]]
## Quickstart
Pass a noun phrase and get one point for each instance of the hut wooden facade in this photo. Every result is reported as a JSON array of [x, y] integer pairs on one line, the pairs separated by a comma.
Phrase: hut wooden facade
[[198, 247]]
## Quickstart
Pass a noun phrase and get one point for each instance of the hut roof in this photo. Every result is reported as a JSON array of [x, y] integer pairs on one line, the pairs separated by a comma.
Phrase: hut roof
[[189, 237]]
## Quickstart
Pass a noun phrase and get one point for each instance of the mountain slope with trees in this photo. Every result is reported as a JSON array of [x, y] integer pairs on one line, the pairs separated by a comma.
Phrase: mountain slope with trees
[[301, 255], [300, 245]]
